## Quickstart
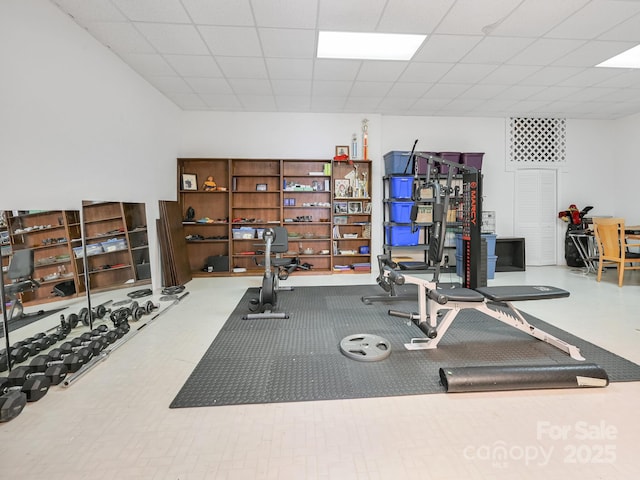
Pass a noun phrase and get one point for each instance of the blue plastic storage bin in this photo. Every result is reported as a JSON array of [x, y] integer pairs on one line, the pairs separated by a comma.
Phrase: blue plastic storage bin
[[400, 187], [401, 236], [395, 162], [491, 266], [400, 212]]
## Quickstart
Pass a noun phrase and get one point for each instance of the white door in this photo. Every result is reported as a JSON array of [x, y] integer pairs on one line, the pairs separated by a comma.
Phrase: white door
[[536, 205]]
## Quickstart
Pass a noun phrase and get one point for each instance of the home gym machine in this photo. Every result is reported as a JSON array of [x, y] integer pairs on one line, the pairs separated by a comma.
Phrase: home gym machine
[[275, 241], [438, 307]]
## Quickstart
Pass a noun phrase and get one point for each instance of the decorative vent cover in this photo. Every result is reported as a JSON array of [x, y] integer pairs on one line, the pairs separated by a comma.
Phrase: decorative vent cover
[[537, 140]]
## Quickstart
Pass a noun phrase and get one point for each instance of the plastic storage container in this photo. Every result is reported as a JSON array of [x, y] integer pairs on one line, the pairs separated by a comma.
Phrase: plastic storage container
[[401, 236], [114, 245], [488, 237], [400, 212], [395, 162], [491, 266], [400, 187], [451, 157], [472, 160], [244, 233]]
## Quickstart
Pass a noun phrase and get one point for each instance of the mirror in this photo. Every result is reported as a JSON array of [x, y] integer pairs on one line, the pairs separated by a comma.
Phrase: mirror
[[41, 251], [117, 257]]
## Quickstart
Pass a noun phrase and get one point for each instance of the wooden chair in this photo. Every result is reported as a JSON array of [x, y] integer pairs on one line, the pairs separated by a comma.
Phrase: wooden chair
[[613, 247]]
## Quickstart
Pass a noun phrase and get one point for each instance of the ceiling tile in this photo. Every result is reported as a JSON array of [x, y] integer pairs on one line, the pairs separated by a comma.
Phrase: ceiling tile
[[482, 91], [351, 16], [237, 41], [120, 37], [551, 75], [170, 84], [424, 15], [380, 71], [220, 12], [496, 49], [257, 103], [291, 87], [233, 67], [446, 48], [471, 17], [148, 64], [590, 77], [331, 88], [285, 13], [291, 68], [173, 39], [409, 89], [194, 65], [336, 69], [509, 74], [250, 86], [467, 73], [361, 104], [218, 86], [370, 89], [518, 92], [294, 43], [327, 103], [169, 11], [545, 51], [91, 10], [534, 18], [588, 94], [595, 18], [593, 53], [425, 72], [627, 31], [446, 90], [292, 103], [554, 93]]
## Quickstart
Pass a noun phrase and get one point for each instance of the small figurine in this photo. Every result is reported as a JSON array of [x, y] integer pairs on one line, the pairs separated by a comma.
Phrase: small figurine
[[209, 185], [191, 214]]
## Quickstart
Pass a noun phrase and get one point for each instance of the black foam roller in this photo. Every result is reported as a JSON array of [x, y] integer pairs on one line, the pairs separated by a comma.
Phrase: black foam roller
[[522, 377]]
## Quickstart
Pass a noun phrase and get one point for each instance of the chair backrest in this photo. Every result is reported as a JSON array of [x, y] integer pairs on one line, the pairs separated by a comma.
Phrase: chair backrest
[[609, 234], [21, 265], [281, 241]]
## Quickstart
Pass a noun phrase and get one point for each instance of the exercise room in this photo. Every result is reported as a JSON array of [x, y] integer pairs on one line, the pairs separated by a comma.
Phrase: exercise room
[[318, 239]]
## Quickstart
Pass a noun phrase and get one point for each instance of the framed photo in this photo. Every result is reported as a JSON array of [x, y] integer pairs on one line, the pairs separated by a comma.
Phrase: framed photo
[[340, 220], [342, 150], [367, 208], [355, 207], [340, 207], [189, 181], [261, 187], [342, 187]]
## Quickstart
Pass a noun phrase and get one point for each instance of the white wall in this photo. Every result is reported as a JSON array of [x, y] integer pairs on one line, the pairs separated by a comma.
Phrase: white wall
[[625, 169], [75, 121]]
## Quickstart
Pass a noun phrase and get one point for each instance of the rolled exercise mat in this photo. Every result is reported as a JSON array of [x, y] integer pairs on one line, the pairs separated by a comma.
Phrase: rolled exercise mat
[[522, 377]]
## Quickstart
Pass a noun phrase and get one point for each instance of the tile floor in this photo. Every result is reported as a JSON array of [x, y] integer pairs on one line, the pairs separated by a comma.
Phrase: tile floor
[[114, 422]]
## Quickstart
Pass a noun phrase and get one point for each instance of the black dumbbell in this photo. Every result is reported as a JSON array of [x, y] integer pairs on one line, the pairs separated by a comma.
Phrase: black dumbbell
[[55, 373], [77, 344], [107, 337], [11, 405], [149, 306], [34, 388], [73, 361]]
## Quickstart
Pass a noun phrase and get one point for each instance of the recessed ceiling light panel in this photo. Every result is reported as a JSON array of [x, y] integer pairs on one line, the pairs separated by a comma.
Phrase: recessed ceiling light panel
[[368, 46], [628, 59]]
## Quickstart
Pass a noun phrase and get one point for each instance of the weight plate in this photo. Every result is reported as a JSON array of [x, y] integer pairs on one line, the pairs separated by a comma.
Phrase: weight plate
[[101, 311], [365, 347], [148, 306], [83, 315], [138, 313], [168, 298]]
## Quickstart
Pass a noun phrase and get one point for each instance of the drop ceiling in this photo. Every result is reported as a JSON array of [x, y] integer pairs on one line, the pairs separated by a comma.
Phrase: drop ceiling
[[496, 58]]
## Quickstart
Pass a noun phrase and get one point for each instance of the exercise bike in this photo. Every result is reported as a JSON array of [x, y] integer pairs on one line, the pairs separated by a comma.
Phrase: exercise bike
[[275, 269]]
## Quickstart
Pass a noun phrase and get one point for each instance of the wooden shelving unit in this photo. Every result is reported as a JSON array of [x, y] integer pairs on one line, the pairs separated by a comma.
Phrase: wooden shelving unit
[[52, 235], [117, 245], [258, 193]]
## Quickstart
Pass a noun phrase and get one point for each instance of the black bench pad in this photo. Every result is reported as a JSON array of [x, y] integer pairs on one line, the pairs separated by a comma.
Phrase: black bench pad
[[461, 294], [513, 293]]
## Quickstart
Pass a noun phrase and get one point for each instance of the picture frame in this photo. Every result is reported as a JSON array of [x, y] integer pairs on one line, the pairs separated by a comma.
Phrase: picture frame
[[355, 207], [367, 208], [340, 207], [342, 187], [340, 220], [261, 187], [342, 150], [189, 181]]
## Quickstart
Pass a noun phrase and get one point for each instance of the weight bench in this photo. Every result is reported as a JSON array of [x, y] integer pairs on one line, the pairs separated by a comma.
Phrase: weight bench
[[492, 301]]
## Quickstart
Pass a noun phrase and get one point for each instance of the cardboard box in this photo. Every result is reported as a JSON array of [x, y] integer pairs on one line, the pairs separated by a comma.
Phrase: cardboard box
[[425, 214]]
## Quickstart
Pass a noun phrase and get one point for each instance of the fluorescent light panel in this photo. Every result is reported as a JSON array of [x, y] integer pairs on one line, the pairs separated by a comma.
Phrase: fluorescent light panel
[[628, 59], [368, 46]]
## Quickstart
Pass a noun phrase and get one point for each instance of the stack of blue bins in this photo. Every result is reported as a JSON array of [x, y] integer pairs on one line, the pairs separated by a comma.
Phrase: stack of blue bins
[[400, 212], [490, 238]]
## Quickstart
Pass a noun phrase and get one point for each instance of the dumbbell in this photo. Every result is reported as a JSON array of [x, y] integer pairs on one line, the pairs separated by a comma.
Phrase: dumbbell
[[11, 405], [73, 361], [34, 388], [149, 306], [76, 344], [110, 336], [55, 373]]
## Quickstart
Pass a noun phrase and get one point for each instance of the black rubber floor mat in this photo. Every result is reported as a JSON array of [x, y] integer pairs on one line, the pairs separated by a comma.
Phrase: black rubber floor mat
[[299, 359]]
